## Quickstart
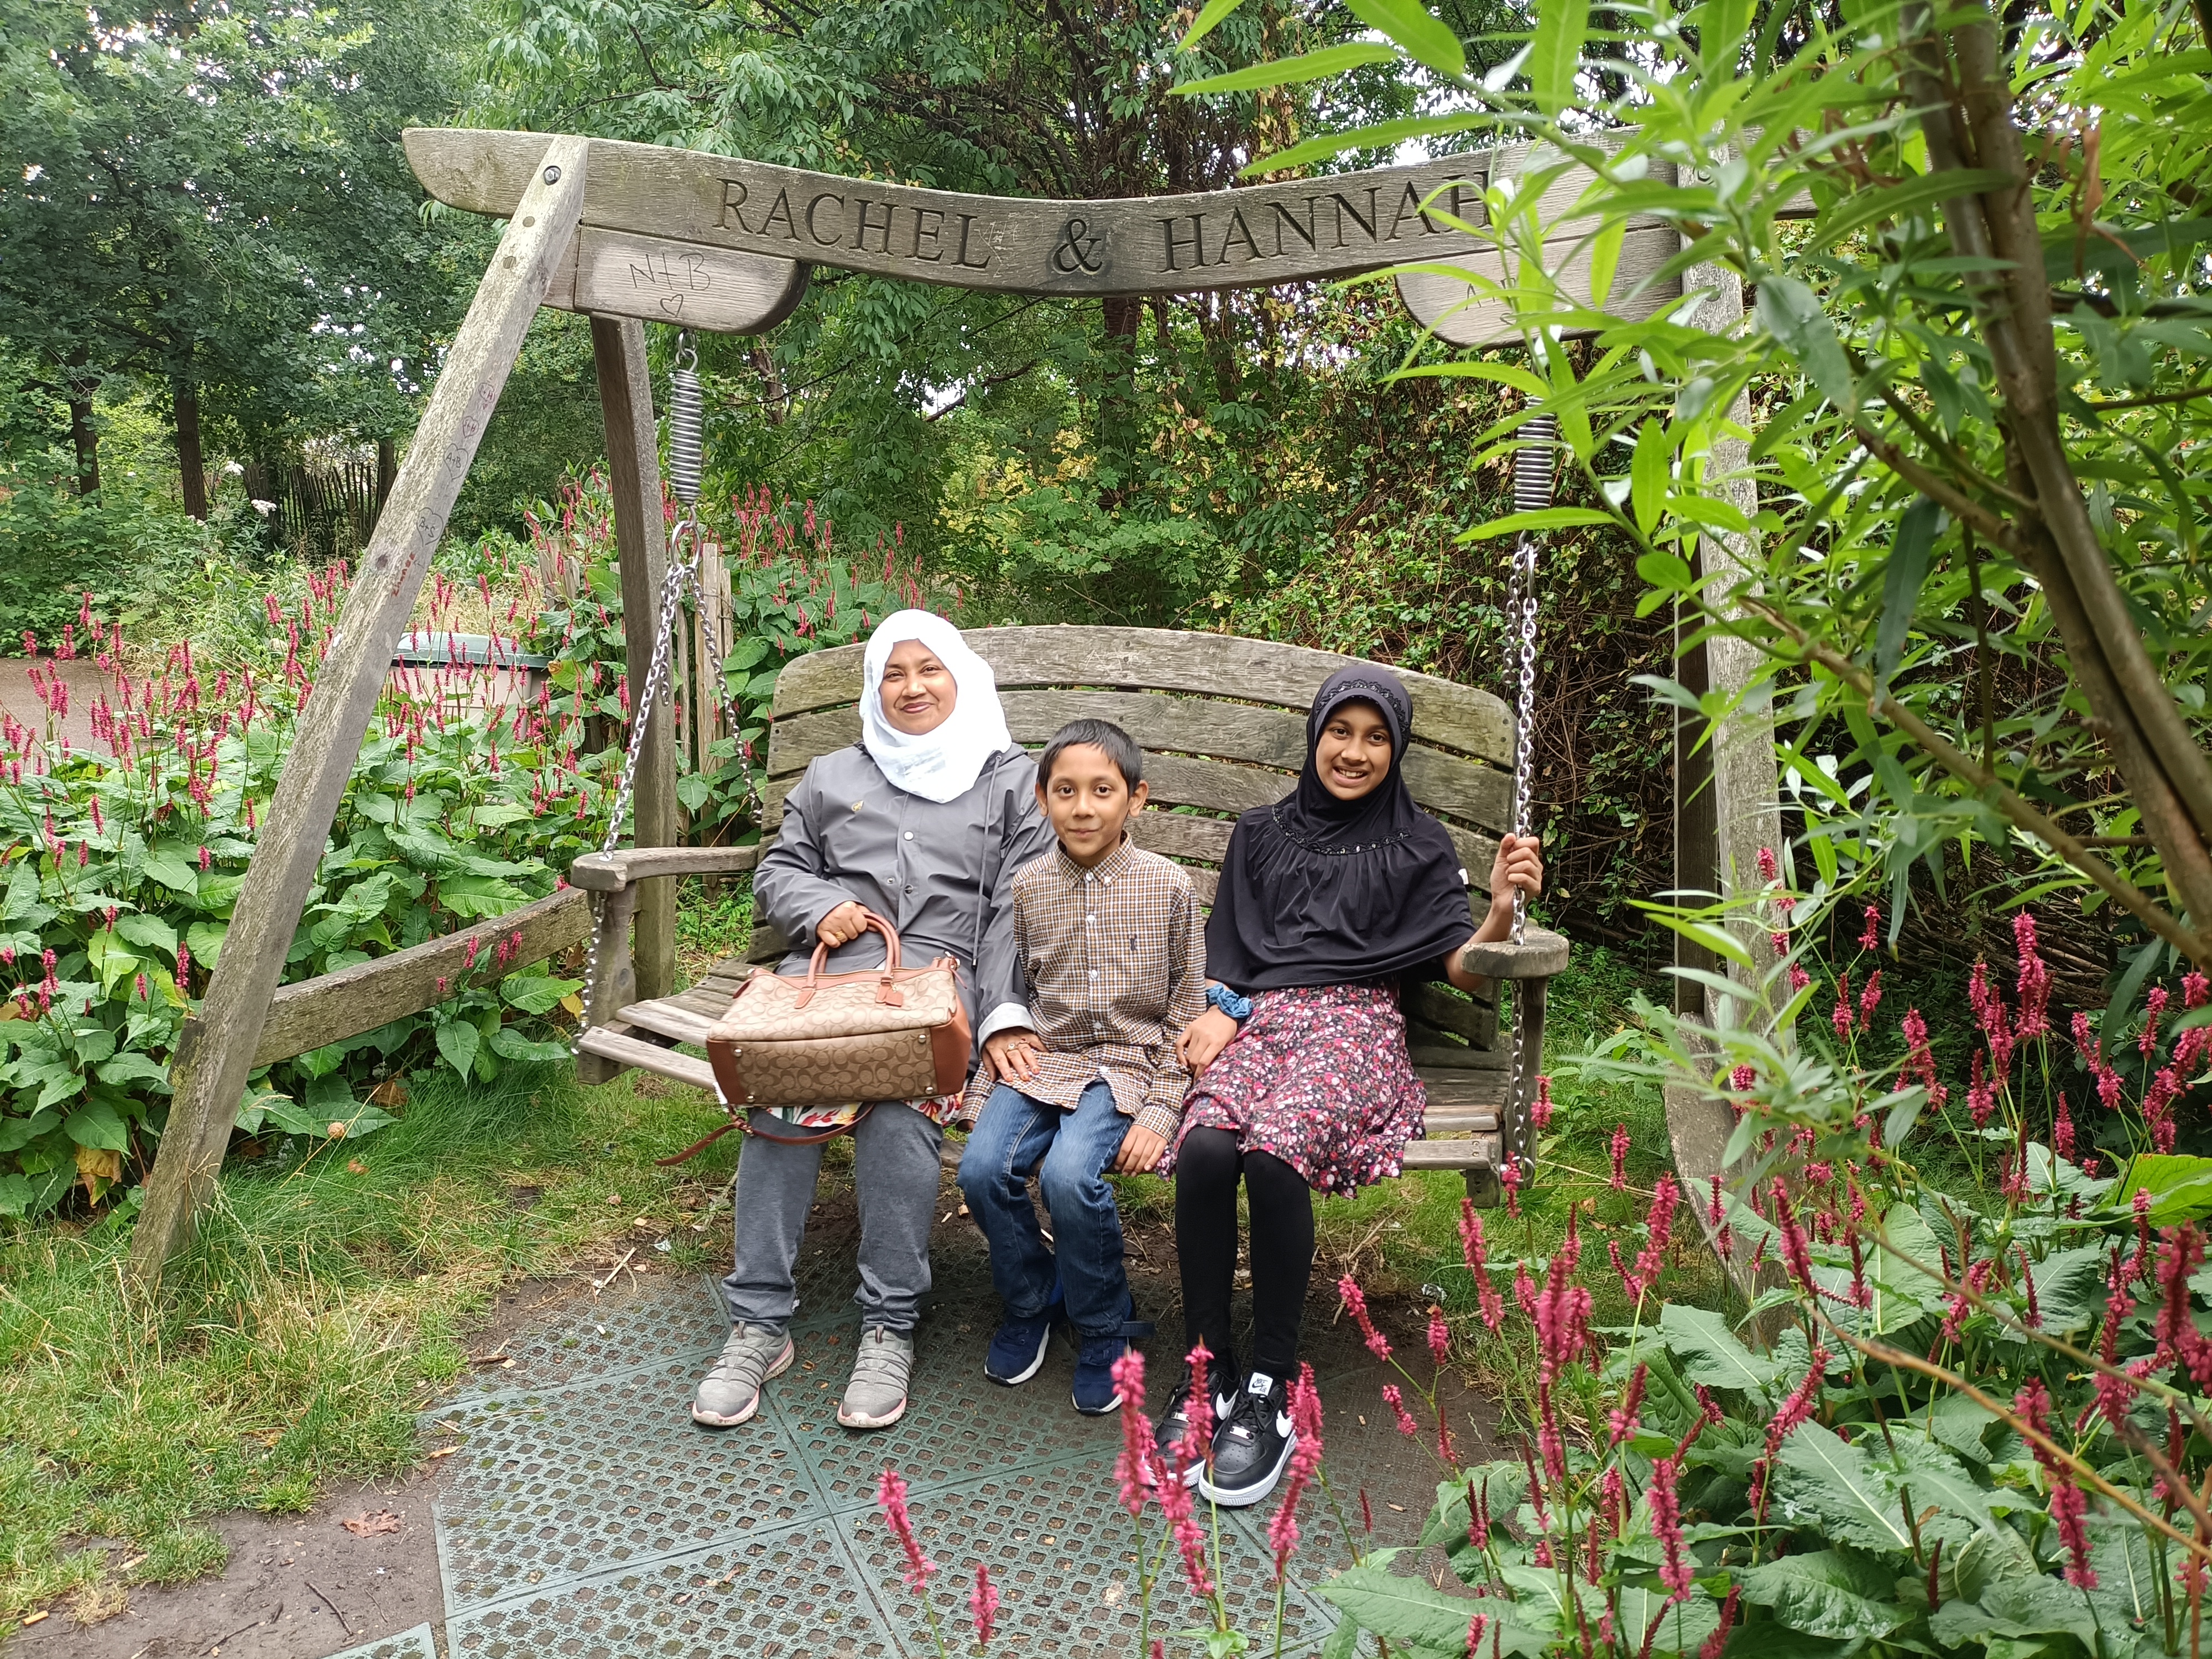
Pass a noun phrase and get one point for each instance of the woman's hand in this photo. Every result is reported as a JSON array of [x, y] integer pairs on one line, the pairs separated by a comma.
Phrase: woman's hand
[[1203, 1040], [1012, 1053], [1519, 865], [842, 924], [1140, 1152]]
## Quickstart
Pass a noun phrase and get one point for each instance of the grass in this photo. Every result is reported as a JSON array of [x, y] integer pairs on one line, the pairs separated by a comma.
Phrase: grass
[[325, 1302]]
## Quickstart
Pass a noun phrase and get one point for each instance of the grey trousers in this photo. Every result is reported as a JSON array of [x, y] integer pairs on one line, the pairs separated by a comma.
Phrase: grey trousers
[[896, 1169]]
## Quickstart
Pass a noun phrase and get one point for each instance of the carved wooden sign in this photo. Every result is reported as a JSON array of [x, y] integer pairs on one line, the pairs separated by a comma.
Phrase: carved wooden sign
[[618, 275], [1330, 226]]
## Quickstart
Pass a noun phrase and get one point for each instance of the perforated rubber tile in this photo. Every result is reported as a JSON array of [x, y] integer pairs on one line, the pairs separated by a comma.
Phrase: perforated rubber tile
[[791, 1592], [566, 1482], [586, 1516], [602, 1338], [416, 1643], [1063, 1552]]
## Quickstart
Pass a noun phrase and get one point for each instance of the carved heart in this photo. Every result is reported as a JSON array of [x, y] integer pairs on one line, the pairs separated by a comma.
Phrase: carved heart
[[671, 303]]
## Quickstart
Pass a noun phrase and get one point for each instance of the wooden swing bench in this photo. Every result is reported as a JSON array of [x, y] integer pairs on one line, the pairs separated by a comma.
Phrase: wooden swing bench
[[1222, 723]]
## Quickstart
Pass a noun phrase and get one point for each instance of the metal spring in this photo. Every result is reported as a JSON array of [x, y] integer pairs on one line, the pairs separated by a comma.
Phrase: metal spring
[[1532, 465], [686, 426]]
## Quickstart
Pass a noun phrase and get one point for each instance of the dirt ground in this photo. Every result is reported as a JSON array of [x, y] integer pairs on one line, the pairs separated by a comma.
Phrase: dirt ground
[[298, 1586]]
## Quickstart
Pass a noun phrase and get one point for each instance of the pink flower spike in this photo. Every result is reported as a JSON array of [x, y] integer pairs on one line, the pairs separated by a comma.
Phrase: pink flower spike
[[1397, 1402], [1439, 1336], [1355, 1303], [1134, 1469], [1870, 937], [1618, 1181], [890, 1498], [983, 1603], [1768, 869], [1666, 1528]]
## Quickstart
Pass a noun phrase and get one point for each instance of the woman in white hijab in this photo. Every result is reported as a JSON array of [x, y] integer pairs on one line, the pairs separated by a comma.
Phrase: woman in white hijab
[[924, 821]]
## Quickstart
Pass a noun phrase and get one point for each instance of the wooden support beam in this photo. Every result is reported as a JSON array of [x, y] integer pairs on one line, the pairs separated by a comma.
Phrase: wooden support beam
[[641, 544], [218, 1046], [334, 1006]]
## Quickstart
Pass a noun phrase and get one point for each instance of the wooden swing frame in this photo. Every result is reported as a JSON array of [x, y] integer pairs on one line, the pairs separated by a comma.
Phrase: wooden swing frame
[[631, 233]]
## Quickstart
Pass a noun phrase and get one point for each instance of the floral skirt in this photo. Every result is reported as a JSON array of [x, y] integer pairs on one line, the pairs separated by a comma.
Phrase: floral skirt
[[1320, 1078]]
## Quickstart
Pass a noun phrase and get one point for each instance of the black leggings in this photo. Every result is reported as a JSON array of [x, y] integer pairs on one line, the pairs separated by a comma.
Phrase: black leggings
[[1206, 1169]]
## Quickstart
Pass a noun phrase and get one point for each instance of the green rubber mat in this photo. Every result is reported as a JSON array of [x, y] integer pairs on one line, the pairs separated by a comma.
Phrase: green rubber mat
[[416, 1643], [586, 1516]]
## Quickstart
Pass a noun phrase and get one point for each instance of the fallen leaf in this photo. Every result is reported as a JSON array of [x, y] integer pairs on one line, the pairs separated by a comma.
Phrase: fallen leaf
[[443, 1451], [365, 1525], [392, 1091]]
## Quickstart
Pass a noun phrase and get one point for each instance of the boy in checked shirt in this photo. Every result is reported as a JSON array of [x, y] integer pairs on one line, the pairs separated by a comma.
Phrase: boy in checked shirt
[[1114, 949]]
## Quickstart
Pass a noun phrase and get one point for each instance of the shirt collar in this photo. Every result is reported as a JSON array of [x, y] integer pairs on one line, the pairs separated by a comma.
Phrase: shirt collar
[[1106, 869]]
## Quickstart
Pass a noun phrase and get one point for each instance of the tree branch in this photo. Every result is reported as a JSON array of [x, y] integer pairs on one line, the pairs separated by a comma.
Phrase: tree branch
[[2121, 891]]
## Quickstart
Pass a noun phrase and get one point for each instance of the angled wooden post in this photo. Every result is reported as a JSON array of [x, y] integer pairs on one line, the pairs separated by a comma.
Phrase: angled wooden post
[[641, 544], [215, 1051]]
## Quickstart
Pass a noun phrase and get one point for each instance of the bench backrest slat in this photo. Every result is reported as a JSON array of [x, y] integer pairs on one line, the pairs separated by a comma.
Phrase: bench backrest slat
[[1222, 721]]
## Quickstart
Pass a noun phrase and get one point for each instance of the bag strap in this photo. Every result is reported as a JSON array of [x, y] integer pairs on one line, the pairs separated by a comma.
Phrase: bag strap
[[814, 1139], [887, 991]]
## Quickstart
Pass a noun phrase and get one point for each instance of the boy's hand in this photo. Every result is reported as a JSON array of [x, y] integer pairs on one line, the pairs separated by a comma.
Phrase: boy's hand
[[1014, 1053], [1203, 1040], [1140, 1152]]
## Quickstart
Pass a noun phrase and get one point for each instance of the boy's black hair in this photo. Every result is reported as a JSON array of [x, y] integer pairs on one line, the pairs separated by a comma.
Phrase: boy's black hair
[[1119, 746]]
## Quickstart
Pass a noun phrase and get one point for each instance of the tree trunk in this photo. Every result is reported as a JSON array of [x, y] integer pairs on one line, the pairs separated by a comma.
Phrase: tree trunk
[[190, 465], [1117, 398], [82, 434]]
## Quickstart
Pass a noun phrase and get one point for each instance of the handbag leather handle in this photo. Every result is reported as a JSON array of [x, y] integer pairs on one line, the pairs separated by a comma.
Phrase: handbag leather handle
[[887, 991]]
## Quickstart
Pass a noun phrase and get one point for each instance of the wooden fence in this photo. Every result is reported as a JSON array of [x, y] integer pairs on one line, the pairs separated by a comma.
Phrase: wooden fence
[[321, 512]]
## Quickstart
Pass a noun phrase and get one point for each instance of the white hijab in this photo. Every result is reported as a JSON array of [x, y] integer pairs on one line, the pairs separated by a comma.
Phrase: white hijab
[[943, 765]]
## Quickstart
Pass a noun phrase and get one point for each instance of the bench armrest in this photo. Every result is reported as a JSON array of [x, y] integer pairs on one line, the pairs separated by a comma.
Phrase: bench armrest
[[610, 873]]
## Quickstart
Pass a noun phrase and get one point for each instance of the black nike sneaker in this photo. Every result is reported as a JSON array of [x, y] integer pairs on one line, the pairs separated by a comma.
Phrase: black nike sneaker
[[1168, 1435], [1252, 1447]]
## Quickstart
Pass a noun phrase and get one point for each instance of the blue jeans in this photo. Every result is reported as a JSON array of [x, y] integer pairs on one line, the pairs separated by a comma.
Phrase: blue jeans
[[1009, 1141]]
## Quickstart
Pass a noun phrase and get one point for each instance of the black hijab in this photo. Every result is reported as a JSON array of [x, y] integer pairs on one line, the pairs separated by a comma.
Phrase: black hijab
[[1317, 890]]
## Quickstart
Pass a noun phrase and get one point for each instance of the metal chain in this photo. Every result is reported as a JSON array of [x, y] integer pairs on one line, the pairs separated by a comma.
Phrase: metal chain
[[685, 453], [1532, 493]]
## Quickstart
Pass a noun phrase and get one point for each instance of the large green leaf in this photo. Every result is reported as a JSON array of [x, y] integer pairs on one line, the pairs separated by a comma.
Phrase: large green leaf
[[1838, 1593], [1413, 27], [1555, 53], [1709, 1351], [156, 933], [97, 1124], [1284, 71], [457, 1042], [2180, 1187], [1792, 314], [171, 870], [1902, 579], [1683, 1625], [1824, 1478], [1410, 1610]]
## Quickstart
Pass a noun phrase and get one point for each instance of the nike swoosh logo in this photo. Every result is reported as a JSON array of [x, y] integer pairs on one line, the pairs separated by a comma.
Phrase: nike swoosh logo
[[1282, 1424]]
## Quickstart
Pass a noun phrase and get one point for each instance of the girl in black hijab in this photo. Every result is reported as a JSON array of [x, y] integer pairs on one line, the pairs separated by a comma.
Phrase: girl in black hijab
[[1329, 900]]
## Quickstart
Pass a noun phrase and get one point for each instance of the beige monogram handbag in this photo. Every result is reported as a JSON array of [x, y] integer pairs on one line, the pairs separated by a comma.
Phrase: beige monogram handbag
[[887, 1033]]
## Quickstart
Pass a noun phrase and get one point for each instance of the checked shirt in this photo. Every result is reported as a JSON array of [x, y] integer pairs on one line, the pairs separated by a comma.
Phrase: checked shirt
[[1115, 960]]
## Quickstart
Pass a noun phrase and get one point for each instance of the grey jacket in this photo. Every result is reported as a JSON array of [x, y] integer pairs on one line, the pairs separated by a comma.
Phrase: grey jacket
[[942, 874]]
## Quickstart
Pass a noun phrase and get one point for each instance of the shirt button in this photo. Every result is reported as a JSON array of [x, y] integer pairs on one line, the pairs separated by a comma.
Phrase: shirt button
[[909, 887], [909, 835], [1094, 972], [1091, 920]]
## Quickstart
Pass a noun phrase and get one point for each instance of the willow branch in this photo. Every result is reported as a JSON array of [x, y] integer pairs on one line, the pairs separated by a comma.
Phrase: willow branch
[[2115, 886], [1942, 491]]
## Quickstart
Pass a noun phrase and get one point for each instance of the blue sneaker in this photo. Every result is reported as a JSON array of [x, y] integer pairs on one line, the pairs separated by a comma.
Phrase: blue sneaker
[[1093, 1393], [1018, 1345]]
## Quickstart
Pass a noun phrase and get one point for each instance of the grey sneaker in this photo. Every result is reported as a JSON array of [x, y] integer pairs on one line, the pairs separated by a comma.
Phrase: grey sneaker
[[731, 1393], [876, 1397]]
